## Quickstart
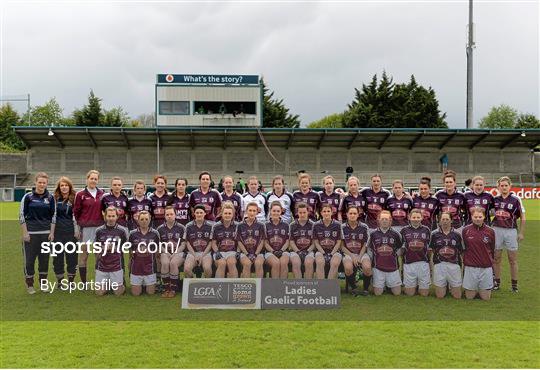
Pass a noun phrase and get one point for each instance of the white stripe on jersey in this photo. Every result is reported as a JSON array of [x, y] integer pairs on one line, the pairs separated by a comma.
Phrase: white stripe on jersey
[[261, 201], [286, 201]]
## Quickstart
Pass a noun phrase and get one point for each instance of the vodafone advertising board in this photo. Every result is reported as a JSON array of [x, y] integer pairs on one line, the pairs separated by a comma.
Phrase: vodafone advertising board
[[523, 193]]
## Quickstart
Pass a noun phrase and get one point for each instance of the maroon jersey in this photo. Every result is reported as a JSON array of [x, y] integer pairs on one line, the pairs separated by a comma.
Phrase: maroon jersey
[[225, 237], [483, 200], [349, 200], [250, 235], [236, 200], [312, 200], [277, 235], [120, 203], [355, 238], [446, 247], [158, 208], [211, 200], [455, 204], [332, 199], [384, 247], [111, 259], [429, 207], [142, 260], [198, 237], [181, 208], [415, 243], [375, 203], [301, 235], [507, 211], [87, 209], [327, 236], [479, 245], [399, 208], [173, 235], [134, 206]]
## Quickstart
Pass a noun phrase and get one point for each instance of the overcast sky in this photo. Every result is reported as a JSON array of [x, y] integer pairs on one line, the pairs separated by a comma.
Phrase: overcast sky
[[311, 54]]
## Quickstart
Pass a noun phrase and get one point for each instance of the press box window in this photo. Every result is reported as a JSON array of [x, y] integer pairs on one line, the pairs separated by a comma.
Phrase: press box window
[[174, 107], [232, 108]]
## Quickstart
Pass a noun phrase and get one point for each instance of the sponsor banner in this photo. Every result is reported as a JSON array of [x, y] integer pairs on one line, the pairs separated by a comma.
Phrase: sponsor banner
[[300, 294], [221, 293], [523, 193], [208, 79]]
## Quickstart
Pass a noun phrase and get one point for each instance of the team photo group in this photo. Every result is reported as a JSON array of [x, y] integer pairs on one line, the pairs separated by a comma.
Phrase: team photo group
[[400, 241]]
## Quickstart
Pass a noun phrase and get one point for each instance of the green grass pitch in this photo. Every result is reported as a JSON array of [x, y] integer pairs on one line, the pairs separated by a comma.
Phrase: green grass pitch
[[81, 330]]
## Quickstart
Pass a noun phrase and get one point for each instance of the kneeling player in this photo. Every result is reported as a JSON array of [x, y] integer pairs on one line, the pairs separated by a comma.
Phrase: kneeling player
[[327, 239], [224, 242], [355, 237], [301, 243], [479, 241], [447, 247], [384, 244], [198, 243], [142, 257], [172, 233], [250, 237], [416, 255], [109, 264], [277, 242]]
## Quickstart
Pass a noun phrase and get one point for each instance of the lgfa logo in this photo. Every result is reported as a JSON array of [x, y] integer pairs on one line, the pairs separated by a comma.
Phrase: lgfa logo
[[207, 292]]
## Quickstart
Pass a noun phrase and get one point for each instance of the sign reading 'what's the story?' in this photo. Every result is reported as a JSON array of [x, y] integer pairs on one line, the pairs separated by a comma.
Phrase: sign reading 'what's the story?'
[[196, 79]]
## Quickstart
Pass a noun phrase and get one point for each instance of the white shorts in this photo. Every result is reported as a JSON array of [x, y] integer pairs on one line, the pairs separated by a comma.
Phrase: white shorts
[[142, 279], [389, 279], [416, 274], [294, 254], [268, 254], [114, 277], [506, 238], [478, 278], [88, 234], [225, 255], [364, 256], [446, 273]]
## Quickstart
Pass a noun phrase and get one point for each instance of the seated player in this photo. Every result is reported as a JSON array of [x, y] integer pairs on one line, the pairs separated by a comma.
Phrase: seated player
[[327, 239], [198, 243], [109, 263], [355, 237], [142, 264], [224, 242], [416, 255], [172, 233], [384, 244], [250, 237], [277, 242], [301, 243], [447, 247]]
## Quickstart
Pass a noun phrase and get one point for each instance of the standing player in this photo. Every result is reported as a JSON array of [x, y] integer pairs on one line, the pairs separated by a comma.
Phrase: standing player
[[172, 233], [416, 255], [306, 195], [37, 217], [355, 238], [427, 203], [109, 264], [352, 198], [479, 241], [224, 242], [508, 209], [451, 200], [64, 231], [250, 238], [142, 262], [327, 238], [253, 195], [87, 213], [138, 203], [330, 196], [301, 243], [375, 197], [198, 243], [117, 199], [159, 200], [229, 195], [179, 200], [208, 197], [384, 244], [447, 247], [277, 242], [399, 206], [477, 197], [284, 197]]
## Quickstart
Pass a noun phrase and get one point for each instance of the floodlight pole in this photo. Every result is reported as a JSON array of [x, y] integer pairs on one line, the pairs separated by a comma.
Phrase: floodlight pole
[[470, 47]]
